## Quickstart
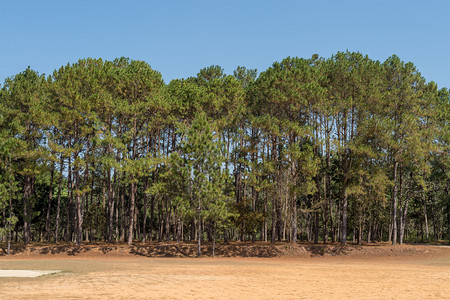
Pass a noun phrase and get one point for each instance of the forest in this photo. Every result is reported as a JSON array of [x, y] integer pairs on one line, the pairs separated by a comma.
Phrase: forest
[[331, 150]]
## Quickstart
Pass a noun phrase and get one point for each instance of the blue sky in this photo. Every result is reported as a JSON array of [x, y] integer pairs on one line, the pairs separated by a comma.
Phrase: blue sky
[[178, 38]]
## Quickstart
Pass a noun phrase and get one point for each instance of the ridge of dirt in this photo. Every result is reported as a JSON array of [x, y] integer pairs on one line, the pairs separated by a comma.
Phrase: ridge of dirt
[[234, 249]]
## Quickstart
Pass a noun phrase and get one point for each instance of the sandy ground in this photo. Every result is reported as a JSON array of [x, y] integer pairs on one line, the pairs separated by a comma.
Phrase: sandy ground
[[26, 273], [138, 277]]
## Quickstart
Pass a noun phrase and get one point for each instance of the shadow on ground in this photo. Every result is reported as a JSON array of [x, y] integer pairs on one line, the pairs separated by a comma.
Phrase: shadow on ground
[[234, 249]]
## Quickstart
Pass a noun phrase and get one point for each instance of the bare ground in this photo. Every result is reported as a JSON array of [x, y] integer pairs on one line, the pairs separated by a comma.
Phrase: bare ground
[[234, 249], [278, 272]]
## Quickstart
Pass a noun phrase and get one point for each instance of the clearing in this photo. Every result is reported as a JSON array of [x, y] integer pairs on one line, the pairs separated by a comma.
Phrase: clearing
[[371, 272]]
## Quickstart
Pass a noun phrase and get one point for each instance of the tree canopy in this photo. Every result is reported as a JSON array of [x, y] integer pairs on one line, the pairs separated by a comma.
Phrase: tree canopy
[[320, 149]]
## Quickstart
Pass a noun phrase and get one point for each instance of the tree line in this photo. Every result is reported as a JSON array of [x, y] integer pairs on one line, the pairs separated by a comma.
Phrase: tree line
[[319, 149]]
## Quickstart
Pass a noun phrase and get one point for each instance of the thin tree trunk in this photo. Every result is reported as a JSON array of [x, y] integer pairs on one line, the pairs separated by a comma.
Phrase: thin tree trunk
[[316, 227], [332, 227], [5, 234], [131, 218], [294, 221], [427, 233], [316, 214], [112, 186], [78, 206], [265, 217], [435, 237], [69, 204], [274, 222], [360, 229], [152, 216], [133, 186], [344, 218], [394, 205], [327, 211], [214, 240], [199, 231], [119, 202], [9, 226], [193, 230], [448, 212], [144, 221], [27, 194], [167, 221], [109, 206], [49, 206], [58, 207], [403, 221]]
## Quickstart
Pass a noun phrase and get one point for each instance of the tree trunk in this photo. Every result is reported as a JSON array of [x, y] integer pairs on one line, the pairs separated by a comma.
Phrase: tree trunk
[[332, 226], [9, 226], [360, 229], [167, 220], [193, 230], [27, 194], [69, 204], [133, 186], [49, 206], [214, 240], [58, 207], [144, 221], [435, 237], [274, 222], [427, 232], [294, 221], [199, 231], [4, 235], [111, 201], [119, 204], [265, 217], [394, 205], [448, 213], [403, 221], [327, 210], [78, 205], [152, 216], [131, 213], [344, 218]]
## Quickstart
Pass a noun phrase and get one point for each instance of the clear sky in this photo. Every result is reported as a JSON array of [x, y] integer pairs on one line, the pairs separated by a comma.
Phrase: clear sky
[[178, 38]]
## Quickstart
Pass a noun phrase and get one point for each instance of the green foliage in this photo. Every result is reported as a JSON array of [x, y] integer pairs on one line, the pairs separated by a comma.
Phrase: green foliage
[[203, 167], [248, 155]]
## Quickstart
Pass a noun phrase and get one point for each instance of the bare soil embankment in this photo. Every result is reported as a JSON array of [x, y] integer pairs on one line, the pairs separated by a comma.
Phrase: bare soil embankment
[[235, 249]]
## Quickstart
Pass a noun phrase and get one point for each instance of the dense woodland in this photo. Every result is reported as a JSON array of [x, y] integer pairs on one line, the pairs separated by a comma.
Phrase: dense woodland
[[340, 149]]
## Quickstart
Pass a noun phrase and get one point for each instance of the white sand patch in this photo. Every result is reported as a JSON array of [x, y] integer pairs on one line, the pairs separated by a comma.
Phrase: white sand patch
[[26, 273]]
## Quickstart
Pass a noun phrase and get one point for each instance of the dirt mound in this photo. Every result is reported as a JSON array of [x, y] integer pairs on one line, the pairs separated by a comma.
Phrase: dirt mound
[[235, 249]]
